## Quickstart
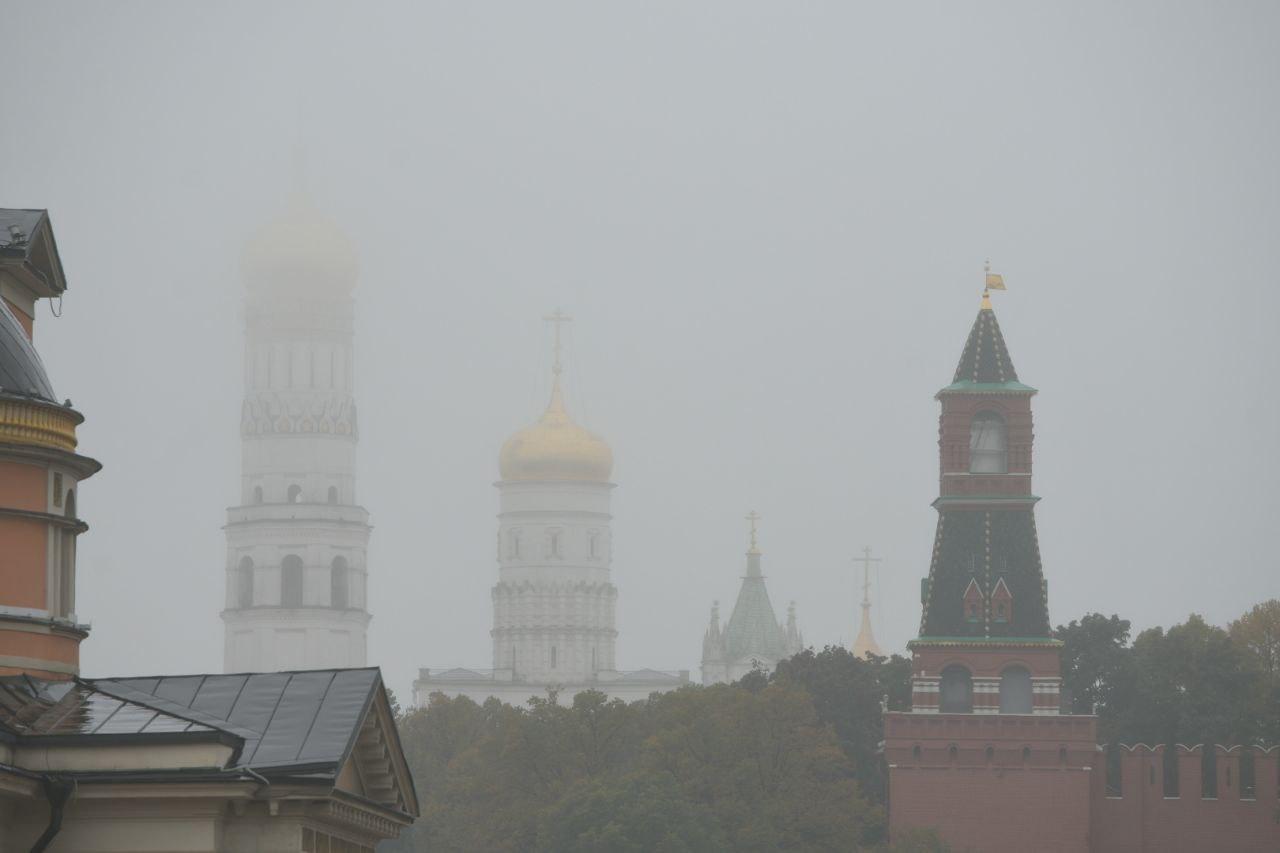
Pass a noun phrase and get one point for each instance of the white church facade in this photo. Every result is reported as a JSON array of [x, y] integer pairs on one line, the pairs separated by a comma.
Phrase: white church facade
[[554, 601], [296, 573]]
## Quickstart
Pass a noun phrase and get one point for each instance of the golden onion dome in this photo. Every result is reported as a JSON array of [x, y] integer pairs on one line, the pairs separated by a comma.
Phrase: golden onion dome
[[555, 448], [301, 248]]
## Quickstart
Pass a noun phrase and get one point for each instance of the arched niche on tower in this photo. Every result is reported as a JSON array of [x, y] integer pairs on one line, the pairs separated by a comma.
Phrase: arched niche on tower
[[955, 690], [988, 443], [244, 583], [1015, 690], [292, 579], [339, 583]]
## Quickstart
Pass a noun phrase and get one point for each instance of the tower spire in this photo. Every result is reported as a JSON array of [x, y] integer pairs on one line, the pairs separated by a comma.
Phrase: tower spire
[[866, 641]]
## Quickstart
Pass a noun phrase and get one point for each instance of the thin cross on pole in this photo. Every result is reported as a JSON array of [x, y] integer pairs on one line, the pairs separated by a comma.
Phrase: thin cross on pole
[[866, 559], [559, 318], [753, 518]]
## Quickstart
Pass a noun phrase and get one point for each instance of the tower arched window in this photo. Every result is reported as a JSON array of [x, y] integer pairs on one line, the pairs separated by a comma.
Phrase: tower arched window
[[338, 584], [257, 494], [291, 580], [244, 582], [333, 494], [988, 448], [1015, 691], [294, 495], [513, 544], [593, 544], [955, 691], [553, 543]]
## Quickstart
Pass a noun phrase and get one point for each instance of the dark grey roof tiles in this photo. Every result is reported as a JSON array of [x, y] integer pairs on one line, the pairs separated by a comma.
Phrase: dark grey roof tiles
[[21, 371], [285, 718]]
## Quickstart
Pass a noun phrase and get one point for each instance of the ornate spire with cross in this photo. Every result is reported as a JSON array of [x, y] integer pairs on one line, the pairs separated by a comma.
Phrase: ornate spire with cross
[[559, 318], [753, 518], [866, 641]]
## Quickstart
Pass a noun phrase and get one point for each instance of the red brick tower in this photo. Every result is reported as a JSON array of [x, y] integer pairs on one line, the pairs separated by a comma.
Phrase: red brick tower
[[985, 644], [40, 471], [984, 755]]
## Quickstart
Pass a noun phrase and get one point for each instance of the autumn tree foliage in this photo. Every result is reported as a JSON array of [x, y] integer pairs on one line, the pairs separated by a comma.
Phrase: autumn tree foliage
[[770, 763]]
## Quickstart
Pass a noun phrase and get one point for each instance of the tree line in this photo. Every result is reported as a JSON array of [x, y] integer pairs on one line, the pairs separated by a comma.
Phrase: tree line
[[789, 760]]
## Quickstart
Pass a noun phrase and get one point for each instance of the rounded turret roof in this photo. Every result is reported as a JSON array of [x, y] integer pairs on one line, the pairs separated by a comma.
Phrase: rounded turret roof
[[21, 371], [301, 248], [556, 448]]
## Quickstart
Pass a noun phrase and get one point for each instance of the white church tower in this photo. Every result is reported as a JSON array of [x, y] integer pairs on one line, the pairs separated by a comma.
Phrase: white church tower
[[296, 543], [554, 602]]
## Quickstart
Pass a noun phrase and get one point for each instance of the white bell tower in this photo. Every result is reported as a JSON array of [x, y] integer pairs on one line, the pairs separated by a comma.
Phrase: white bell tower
[[296, 543]]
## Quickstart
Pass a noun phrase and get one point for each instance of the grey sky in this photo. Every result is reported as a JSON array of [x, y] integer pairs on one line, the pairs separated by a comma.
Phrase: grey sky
[[769, 222]]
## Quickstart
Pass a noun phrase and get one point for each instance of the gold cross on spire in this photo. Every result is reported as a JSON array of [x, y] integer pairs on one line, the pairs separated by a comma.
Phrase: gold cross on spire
[[866, 559], [753, 519], [559, 318]]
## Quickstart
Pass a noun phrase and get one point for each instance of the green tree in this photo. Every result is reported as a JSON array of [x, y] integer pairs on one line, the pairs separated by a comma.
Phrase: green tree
[[637, 813], [1097, 666]]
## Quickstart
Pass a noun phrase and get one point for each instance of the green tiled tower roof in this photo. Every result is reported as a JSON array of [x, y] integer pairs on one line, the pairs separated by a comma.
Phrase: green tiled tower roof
[[753, 628], [985, 358]]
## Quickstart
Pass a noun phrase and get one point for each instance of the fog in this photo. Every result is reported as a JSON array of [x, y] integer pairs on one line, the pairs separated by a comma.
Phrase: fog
[[769, 222]]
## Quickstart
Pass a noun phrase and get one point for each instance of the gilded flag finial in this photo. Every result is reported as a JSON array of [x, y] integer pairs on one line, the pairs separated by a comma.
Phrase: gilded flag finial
[[993, 281]]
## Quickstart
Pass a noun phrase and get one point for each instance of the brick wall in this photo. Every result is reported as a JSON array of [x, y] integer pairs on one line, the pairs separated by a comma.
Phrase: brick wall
[[996, 783], [1138, 817]]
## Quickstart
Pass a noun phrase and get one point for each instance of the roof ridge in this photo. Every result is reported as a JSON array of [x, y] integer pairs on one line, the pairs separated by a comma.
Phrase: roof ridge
[[126, 693]]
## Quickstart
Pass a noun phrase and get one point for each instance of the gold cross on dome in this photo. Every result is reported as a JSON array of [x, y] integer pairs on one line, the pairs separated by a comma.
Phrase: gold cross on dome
[[559, 318], [753, 519]]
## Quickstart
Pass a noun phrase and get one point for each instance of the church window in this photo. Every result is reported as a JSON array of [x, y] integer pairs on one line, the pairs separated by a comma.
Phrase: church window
[[333, 494], [257, 494], [553, 543], [553, 657], [57, 490], [1015, 691], [593, 544], [294, 494], [973, 613], [915, 753], [513, 548], [244, 582], [338, 572], [1002, 612], [291, 579], [955, 691], [988, 453]]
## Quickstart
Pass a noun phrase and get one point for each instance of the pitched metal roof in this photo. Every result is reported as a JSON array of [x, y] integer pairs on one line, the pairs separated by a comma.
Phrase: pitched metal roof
[[985, 358], [28, 249], [286, 719], [21, 371], [34, 708], [753, 628]]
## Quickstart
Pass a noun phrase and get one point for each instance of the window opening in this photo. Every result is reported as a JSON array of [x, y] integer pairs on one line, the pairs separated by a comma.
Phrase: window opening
[[987, 450]]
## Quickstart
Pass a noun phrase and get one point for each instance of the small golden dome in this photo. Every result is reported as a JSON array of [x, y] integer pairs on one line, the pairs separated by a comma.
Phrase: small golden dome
[[555, 448], [301, 248]]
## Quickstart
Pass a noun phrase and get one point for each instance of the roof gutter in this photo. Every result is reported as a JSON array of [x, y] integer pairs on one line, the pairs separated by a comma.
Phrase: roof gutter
[[58, 791]]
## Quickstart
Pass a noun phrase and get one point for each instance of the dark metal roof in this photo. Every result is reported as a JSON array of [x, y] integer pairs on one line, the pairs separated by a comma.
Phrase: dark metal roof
[[30, 707], [985, 358], [286, 719], [21, 371]]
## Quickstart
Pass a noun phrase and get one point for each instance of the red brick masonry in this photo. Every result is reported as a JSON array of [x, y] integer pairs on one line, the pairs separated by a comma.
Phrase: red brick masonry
[[994, 783]]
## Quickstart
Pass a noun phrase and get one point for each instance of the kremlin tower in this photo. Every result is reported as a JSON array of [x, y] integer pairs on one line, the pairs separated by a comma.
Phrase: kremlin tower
[[554, 602], [40, 471], [297, 539]]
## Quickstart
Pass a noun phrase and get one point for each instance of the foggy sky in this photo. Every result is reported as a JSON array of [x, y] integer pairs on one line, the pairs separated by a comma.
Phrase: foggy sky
[[769, 223]]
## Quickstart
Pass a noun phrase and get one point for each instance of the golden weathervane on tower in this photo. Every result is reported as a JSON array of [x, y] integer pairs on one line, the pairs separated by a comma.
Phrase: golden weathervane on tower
[[994, 281]]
